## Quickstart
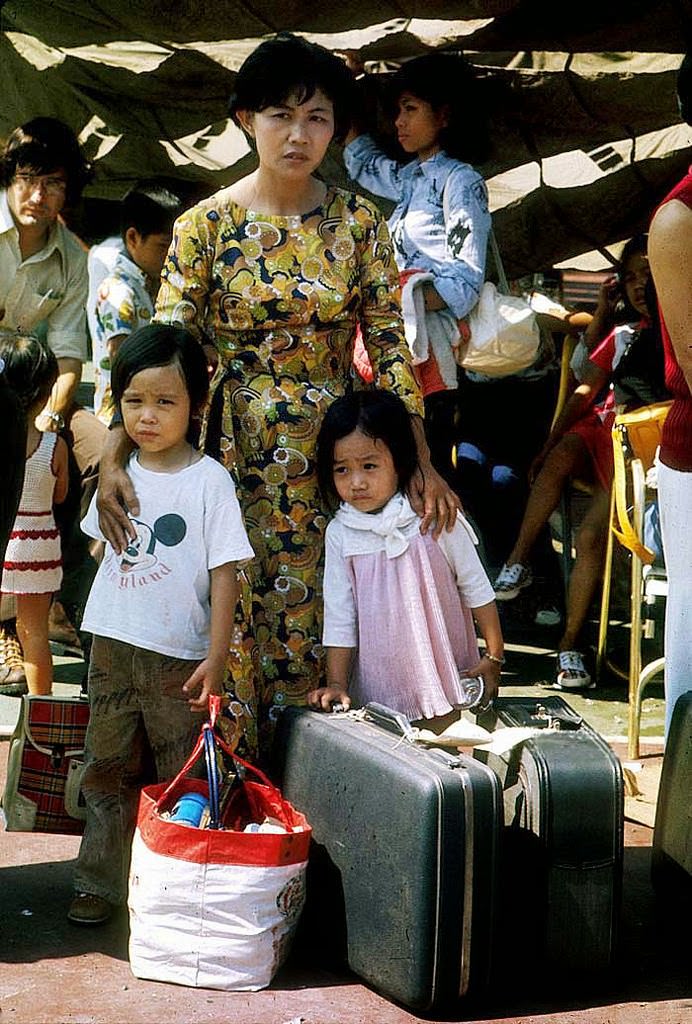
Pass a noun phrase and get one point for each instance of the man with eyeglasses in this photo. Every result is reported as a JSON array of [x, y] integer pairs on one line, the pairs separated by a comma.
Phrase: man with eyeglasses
[[43, 289]]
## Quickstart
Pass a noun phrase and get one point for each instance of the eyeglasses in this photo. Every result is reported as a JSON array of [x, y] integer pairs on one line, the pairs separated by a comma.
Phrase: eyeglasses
[[50, 185]]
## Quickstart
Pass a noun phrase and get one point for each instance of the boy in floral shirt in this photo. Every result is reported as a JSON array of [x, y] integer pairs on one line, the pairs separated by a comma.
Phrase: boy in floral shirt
[[125, 298]]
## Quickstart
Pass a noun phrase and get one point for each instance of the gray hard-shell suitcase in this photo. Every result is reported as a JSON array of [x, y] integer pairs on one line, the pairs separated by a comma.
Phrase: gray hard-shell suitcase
[[562, 845], [671, 855], [407, 840]]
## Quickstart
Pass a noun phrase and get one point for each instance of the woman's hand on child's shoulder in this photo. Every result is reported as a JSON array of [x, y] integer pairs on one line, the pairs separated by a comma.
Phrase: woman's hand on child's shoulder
[[325, 697], [434, 500]]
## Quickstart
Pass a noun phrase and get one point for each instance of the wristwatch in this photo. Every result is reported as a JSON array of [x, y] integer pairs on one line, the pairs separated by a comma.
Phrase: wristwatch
[[57, 419]]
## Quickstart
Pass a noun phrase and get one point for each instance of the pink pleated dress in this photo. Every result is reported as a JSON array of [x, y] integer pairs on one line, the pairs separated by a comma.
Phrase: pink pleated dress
[[414, 633], [33, 561]]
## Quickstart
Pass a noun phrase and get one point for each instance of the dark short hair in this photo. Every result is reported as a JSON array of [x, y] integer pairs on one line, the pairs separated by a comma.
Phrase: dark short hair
[[158, 344], [44, 145], [447, 79], [286, 65], [381, 415], [31, 368], [150, 209]]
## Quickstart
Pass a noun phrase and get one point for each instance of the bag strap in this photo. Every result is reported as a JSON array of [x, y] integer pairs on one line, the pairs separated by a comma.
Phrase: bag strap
[[212, 776], [209, 745], [492, 241], [499, 265]]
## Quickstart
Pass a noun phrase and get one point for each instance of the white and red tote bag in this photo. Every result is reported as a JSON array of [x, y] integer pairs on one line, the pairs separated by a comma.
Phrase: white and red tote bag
[[215, 908]]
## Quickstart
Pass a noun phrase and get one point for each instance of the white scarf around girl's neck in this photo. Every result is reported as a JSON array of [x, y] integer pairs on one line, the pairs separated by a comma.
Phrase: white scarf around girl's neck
[[393, 526]]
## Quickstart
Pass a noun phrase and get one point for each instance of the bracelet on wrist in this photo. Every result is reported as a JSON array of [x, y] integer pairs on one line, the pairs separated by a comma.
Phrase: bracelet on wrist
[[495, 661]]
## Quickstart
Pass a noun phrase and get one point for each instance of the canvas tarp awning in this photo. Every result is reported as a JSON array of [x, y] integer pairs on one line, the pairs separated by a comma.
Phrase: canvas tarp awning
[[586, 134]]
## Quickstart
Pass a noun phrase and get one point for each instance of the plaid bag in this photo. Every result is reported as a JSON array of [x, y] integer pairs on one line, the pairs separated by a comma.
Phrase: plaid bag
[[45, 765]]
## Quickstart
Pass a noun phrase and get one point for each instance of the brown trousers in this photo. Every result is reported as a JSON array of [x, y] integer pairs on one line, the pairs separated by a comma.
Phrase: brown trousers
[[141, 730]]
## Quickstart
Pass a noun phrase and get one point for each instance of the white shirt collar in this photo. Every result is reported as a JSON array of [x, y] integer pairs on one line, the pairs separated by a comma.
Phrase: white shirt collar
[[124, 262], [6, 219], [55, 238]]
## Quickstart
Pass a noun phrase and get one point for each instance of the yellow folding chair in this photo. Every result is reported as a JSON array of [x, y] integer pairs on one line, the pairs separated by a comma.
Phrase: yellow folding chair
[[636, 437]]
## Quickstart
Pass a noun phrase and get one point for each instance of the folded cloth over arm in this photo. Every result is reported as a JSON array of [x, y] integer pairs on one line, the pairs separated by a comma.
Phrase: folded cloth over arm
[[428, 332]]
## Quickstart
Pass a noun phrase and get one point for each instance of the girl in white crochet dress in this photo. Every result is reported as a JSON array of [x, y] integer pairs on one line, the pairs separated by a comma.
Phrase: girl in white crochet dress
[[33, 562], [399, 605]]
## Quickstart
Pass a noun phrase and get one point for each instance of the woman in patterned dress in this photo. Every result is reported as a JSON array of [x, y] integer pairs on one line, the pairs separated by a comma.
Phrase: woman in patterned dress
[[275, 273]]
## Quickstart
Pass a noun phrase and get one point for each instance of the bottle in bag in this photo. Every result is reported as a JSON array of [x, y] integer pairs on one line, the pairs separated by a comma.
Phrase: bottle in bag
[[473, 688], [189, 809]]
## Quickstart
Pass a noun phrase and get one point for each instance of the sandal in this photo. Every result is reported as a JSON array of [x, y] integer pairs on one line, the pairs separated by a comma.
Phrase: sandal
[[572, 674]]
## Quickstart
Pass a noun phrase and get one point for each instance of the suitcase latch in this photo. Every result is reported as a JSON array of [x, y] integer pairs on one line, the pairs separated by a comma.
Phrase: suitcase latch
[[545, 720], [559, 719]]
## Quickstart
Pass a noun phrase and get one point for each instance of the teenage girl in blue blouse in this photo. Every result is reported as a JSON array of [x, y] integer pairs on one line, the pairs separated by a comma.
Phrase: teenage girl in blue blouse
[[441, 221]]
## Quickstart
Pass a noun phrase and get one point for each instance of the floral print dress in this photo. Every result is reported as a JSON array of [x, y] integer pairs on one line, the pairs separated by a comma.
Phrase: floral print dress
[[280, 299]]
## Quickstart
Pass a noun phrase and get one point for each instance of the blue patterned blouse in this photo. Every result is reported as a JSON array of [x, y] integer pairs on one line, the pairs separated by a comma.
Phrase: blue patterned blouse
[[455, 251]]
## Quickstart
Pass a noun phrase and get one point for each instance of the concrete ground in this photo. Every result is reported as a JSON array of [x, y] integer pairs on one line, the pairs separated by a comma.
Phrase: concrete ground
[[56, 973]]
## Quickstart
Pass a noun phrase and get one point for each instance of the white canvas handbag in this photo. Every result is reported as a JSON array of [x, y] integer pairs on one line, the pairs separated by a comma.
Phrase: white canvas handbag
[[504, 336]]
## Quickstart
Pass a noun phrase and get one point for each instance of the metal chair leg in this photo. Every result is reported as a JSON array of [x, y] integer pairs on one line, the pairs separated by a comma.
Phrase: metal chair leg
[[605, 595], [635, 708]]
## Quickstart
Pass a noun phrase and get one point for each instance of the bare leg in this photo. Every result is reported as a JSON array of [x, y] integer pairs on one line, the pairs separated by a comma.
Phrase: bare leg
[[588, 568], [568, 458], [32, 630]]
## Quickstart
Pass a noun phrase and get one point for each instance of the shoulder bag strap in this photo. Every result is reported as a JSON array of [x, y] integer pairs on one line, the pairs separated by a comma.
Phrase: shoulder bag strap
[[501, 275], [492, 241]]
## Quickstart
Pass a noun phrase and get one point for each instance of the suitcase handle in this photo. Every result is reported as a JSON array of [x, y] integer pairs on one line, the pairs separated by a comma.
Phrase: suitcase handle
[[389, 719]]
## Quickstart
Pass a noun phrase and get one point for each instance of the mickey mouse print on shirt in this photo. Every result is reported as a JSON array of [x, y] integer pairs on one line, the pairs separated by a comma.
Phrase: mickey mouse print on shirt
[[168, 530], [139, 562]]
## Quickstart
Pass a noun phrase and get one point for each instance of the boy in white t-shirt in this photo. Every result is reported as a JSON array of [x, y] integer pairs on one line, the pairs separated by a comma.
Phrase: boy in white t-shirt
[[161, 610]]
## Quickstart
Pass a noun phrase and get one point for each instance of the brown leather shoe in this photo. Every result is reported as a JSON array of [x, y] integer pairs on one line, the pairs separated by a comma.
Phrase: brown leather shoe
[[86, 908], [14, 689], [61, 630], [11, 658]]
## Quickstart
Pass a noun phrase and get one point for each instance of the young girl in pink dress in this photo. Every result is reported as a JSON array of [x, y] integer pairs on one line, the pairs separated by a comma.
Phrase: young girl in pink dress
[[33, 563], [399, 605]]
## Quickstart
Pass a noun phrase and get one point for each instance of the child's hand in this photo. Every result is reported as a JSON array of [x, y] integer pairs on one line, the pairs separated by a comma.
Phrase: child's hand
[[489, 671], [205, 680], [323, 698], [609, 294]]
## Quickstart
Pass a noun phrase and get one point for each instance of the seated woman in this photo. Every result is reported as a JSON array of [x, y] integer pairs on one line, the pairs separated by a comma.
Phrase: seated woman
[[630, 359]]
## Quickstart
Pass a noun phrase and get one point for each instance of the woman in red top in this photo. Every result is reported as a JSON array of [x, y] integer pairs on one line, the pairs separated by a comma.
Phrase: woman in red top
[[670, 253], [580, 445]]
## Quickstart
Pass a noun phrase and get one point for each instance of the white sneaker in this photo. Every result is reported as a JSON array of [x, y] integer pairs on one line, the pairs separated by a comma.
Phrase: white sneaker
[[512, 579], [572, 674]]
